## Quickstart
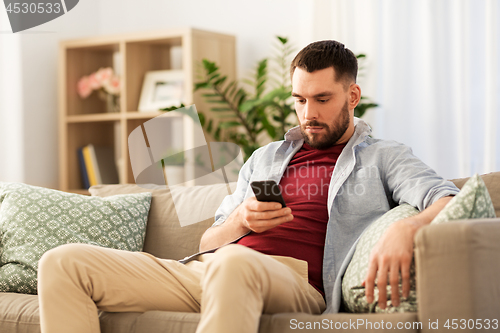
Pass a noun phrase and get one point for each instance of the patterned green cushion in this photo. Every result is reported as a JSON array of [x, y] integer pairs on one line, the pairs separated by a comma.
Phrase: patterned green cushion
[[473, 201], [34, 220], [353, 293]]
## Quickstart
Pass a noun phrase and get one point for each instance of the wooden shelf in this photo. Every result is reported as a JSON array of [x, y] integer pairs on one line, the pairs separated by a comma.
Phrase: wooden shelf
[[144, 115], [84, 118], [85, 121]]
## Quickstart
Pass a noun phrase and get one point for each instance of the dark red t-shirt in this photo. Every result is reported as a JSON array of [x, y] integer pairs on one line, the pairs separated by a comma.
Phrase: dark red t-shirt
[[304, 186]]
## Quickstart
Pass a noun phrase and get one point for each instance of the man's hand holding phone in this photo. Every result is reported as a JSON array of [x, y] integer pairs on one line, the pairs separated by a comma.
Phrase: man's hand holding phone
[[250, 215], [259, 216]]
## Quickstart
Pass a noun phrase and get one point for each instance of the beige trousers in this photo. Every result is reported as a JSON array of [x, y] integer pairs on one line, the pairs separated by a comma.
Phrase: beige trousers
[[231, 287]]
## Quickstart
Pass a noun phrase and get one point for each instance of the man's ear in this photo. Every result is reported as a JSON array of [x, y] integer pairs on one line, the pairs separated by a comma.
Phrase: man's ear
[[354, 95]]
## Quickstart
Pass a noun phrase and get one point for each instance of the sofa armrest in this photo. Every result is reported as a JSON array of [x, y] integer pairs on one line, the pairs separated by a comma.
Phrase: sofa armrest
[[458, 271]]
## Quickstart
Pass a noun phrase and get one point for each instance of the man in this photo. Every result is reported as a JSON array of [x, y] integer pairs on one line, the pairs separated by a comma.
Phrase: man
[[336, 180]]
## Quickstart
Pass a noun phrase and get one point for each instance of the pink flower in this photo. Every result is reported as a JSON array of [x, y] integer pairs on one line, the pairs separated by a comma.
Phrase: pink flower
[[112, 86], [103, 75], [84, 89], [93, 82], [102, 79]]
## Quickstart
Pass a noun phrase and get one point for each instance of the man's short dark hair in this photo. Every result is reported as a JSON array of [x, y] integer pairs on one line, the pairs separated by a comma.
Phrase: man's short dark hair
[[324, 54]]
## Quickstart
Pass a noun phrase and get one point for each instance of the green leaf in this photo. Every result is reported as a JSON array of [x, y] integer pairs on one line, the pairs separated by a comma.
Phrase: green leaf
[[277, 118], [212, 77], [220, 81], [201, 85], [220, 109], [210, 67], [201, 115], [228, 87], [283, 40], [249, 104], [226, 116], [209, 127], [217, 101], [211, 95], [173, 108], [229, 124], [271, 130]]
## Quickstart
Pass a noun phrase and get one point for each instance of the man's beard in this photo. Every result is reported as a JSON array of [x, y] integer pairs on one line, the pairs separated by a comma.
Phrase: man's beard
[[333, 133]]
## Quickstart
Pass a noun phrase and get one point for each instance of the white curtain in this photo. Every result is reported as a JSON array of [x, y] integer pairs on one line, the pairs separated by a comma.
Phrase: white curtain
[[11, 106], [432, 66]]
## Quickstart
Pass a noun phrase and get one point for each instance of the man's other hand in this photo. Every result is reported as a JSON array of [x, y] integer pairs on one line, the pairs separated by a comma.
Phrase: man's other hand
[[390, 257], [259, 216], [393, 253]]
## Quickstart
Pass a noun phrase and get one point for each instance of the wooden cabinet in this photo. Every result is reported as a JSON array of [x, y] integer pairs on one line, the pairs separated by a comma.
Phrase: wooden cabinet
[[86, 121]]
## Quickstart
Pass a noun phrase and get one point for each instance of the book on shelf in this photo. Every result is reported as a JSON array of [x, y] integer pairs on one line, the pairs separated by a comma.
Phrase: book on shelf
[[83, 169], [98, 165]]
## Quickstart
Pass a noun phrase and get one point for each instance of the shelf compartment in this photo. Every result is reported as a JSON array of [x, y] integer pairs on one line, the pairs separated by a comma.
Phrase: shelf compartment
[[85, 61], [82, 134], [145, 56], [132, 55]]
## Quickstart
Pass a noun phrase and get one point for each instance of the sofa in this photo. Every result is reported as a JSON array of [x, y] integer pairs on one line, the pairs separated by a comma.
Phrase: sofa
[[457, 267]]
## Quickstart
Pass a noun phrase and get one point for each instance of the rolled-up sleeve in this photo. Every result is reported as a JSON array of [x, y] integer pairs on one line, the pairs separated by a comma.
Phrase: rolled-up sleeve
[[411, 181]]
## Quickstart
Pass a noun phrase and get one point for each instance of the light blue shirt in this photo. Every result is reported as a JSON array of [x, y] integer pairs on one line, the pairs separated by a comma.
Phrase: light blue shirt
[[371, 176]]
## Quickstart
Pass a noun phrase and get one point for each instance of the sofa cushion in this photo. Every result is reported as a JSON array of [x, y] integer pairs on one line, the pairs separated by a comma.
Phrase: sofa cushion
[[165, 236], [492, 182], [473, 201], [19, 313], [34, 220]]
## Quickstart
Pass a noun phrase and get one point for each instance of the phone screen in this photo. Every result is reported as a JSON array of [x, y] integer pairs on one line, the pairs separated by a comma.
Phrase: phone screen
[[268, 191]]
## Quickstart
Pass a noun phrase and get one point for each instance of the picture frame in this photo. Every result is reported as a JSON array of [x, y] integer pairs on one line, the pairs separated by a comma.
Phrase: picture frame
[[161, 89]]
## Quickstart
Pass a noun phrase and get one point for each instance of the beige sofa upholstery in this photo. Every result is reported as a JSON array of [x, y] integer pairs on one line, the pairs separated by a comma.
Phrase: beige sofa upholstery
[[458, 273]]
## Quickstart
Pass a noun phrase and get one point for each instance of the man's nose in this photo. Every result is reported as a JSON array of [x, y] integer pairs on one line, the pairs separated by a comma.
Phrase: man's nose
[[310, 112]]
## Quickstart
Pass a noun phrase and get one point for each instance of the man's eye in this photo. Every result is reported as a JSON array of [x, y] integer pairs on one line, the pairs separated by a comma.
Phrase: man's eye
[[322, 100], [301, 101]]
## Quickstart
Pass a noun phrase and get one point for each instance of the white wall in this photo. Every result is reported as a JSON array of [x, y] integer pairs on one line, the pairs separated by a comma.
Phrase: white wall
[[28, 64], [254, 23], [11, 115], [28, 94]]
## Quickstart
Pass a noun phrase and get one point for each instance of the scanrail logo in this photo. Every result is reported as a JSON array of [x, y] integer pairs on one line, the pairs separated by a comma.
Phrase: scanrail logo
[[170, 152], [26, 14]]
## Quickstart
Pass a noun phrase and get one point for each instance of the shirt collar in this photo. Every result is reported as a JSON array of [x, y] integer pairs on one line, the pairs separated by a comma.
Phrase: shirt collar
[[360, 127]]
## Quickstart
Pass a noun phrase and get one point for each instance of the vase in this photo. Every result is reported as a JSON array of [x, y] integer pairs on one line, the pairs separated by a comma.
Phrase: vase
[[112, 101]]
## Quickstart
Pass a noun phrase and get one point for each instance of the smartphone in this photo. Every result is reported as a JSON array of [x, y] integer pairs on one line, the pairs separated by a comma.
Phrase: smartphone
[[267, 190]]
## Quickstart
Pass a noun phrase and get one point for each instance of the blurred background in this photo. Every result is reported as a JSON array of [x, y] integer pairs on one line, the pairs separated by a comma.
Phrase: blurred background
[[432, 66]]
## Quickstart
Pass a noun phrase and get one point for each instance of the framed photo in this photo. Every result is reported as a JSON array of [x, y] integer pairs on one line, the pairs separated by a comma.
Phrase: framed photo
[[162, 89]]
